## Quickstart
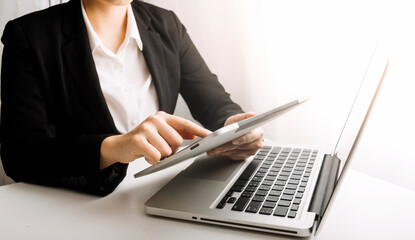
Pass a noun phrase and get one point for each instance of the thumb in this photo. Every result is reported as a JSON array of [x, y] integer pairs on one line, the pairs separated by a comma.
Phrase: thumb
[[239, 117]]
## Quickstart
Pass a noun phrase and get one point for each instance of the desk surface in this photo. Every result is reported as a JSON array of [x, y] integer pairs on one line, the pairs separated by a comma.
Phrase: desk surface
[[366, 208]]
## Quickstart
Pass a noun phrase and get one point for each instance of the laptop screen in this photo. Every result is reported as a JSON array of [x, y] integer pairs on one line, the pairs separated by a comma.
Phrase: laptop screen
[[361, 105], [356, 119]]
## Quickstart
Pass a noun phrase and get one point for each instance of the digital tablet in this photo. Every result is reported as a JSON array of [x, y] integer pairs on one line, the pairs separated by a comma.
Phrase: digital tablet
[[220, 137]]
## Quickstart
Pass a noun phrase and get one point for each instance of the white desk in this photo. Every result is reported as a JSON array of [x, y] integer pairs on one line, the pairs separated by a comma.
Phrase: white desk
[[366, 208]]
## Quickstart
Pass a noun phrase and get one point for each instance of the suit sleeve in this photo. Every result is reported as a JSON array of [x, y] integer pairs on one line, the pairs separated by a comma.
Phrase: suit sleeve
[[208, 101], [31, 150]]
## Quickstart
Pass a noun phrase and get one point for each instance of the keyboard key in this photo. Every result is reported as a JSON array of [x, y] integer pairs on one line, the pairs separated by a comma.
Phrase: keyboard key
[[284, 203], [254, 184], [282, 178], [289, 192], [286, 150], [277, 188], [297, 201], [301, 190], [266, 211], [294, 207], [229, 194], [292, 214], [269, 204], [296, 150], [297, 173], [221, 205], [276, 150], [287, 169], [231, 200], [289, 165], [261, 193], [269, 178], [260, 175], [250, 189], [264, 187], [262, 153], [256, 179], [273, 173], [294, 182], [262, 170], [265, 167], [275, 193], [241, 182], [275, 170], [269, 160], [247, 194], [280, 161], [253, 207], [280, 183], [295, 177], [240, 204], [258, 198], [299, 195], [281, 211], [237, 188], [250, 169], [285, 174], [272, 199], [291, 186], [287, 197], [269, 183], [259, 158]]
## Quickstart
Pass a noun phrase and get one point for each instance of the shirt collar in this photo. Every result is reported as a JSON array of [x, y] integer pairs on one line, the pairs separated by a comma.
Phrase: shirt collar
[[131, 31], [132, 28]]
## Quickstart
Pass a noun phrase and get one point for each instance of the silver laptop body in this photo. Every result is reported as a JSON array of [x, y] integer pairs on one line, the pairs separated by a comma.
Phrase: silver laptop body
[[203, 191]]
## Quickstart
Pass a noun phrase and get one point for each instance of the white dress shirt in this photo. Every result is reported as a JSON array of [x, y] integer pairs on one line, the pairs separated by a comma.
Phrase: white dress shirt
[[124, 77]]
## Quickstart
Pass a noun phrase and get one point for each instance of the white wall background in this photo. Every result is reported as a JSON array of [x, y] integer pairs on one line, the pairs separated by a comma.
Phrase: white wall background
[[267, 52]]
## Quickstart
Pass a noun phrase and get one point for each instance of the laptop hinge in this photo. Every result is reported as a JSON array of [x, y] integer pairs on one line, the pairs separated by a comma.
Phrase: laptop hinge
[[325, 185]]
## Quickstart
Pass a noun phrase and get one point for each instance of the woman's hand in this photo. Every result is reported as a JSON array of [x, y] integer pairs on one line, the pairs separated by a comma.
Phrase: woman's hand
[[157, 137], [242, 147]]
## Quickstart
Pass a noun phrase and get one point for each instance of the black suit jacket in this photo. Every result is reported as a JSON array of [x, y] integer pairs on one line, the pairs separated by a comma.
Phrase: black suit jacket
[[54, 115]]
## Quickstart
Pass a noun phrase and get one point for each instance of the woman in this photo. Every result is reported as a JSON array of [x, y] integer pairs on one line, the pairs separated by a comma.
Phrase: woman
[[89, 86]]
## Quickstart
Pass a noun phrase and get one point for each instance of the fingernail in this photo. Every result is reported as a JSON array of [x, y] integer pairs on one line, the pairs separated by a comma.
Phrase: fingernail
[[236, 142]]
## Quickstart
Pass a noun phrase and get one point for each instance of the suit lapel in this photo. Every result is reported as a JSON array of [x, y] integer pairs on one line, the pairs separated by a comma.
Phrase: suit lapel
[[78, 58], [153, 54]]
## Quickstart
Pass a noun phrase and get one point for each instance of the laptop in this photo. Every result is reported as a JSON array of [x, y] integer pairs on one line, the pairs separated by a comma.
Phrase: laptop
[[283, 189]]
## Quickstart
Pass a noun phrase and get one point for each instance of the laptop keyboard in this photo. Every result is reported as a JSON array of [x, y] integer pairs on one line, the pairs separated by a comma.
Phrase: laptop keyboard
[[273, 183]]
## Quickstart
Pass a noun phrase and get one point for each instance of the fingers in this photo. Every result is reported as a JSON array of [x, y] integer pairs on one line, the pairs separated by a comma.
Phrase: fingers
[[242, 147], [144, 149], [161, 135], [238, 117], [252, 136], [188, 128]]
